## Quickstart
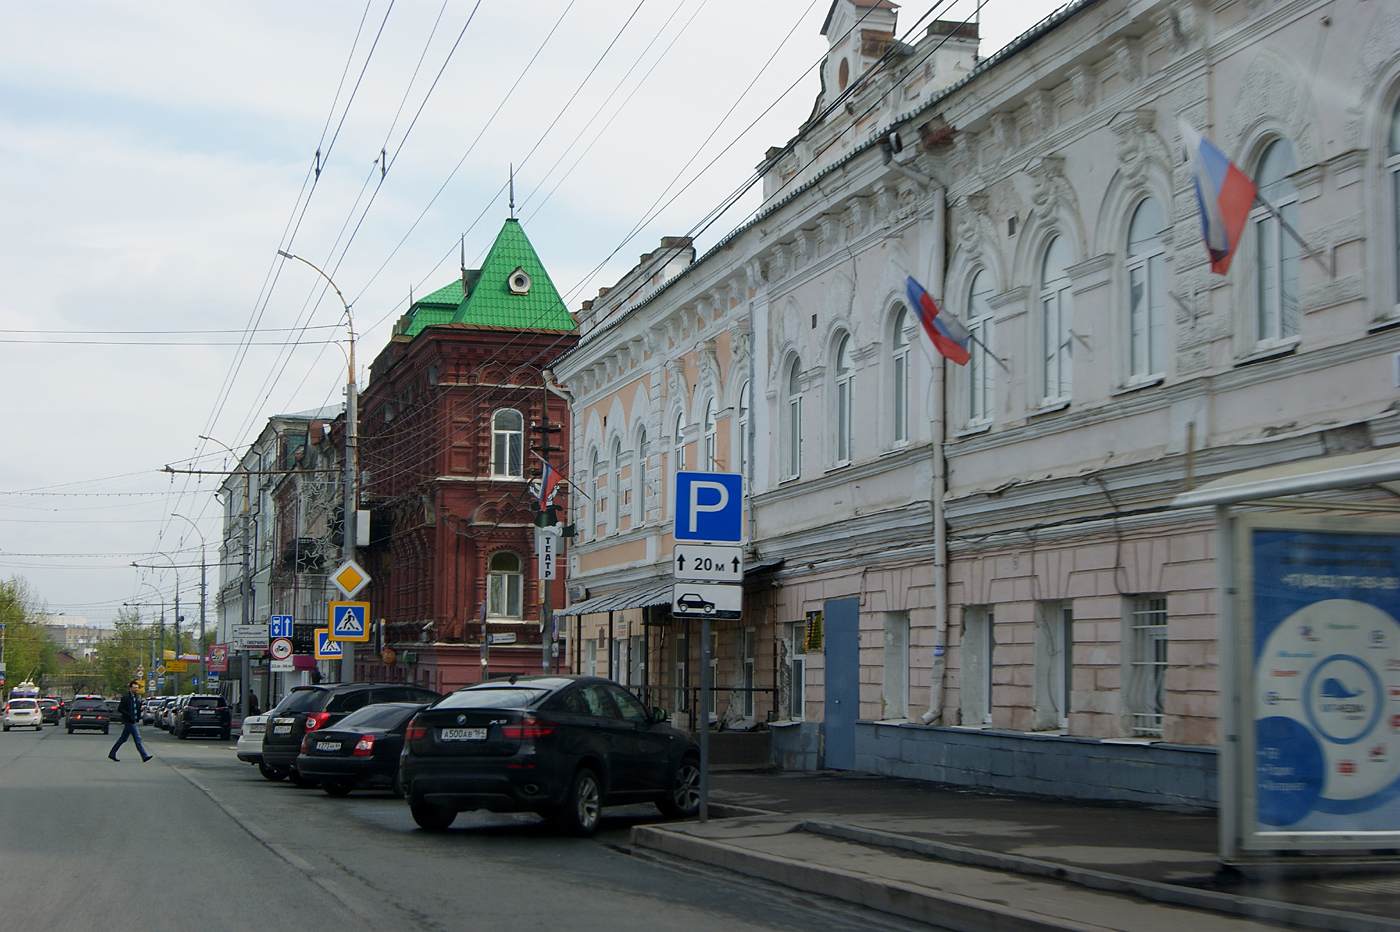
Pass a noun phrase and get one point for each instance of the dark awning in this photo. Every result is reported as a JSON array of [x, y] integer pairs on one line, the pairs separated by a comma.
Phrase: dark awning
[[656, 592]]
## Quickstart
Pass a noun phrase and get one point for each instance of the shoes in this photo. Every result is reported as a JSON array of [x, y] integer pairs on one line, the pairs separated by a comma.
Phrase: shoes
[[147, 757], [113, 757]]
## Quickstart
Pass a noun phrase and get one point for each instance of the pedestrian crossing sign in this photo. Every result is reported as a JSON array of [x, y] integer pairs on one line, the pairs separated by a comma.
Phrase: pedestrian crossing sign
[[349, 621], [327, 649]]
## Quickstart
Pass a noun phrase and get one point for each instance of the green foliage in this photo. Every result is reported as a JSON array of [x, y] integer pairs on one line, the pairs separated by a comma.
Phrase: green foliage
[[119, 656], [28, 652]]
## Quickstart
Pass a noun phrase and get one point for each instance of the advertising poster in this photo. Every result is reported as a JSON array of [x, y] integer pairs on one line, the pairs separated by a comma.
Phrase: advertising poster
[[1326, 685]]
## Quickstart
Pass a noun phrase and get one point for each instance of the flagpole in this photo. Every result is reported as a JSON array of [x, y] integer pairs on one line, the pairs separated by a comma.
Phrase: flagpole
[[1314, 254]]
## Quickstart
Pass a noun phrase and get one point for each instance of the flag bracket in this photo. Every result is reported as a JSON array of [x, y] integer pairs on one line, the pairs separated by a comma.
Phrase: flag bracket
[[1313, 253]]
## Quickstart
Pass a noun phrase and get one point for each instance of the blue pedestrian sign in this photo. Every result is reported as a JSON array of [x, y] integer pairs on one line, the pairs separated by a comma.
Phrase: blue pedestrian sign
[[710, 506], [326, 648], [349, 621], [280, 626]]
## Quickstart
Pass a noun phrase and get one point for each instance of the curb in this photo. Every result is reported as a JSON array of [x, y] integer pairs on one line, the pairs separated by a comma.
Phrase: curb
[[946, 910], [1309, 917]]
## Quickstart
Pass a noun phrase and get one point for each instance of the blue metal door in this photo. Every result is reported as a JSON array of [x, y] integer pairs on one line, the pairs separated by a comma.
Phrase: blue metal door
[[842, 623]]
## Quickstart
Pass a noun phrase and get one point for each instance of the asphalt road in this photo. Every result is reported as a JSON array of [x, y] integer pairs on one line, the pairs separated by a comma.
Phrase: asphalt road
[[197, 840]]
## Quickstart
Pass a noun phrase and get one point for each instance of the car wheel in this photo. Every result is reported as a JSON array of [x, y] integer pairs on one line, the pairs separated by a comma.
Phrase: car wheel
[[337, 787], [682, 800], [7, 727], [298, 780], [583, 807], [70, 731], [107, 731], [431, 817], [225, 735], [271, 773]]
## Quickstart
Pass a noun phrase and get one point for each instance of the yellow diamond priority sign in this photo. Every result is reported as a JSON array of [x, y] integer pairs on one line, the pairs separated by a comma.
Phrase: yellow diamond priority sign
[[350, 578]]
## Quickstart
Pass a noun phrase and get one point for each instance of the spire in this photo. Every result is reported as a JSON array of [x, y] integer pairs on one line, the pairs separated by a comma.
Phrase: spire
[[512, 191]]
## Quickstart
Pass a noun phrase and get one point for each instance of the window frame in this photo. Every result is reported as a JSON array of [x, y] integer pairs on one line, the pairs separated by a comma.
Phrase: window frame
[[500, 436], [511, 588], [615, 491], [792, 443], [981, 376], [1148, 364], [1390, 165], [843, 400], [1269, 324], [1147, 659], [640, 491], [744, 419], [709, 446], [1056, 309], [900, 343]]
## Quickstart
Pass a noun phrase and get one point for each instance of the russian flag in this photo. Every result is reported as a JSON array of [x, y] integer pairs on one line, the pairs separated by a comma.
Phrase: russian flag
[[1224, 195], [549, 480], [949, 336]]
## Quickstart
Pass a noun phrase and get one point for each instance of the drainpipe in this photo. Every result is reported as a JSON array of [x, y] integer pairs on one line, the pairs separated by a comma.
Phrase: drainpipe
[[938, 674]]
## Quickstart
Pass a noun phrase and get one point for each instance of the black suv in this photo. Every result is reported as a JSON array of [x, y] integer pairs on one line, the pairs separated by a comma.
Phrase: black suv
[[203, 714], [89, 712], [308, 708]]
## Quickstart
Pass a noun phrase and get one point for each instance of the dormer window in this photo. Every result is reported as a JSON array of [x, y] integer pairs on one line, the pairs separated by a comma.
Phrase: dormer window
[[519, 281]]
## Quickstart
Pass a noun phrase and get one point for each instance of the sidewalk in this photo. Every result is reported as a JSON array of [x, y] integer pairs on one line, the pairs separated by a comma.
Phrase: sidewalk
[[968, 860]]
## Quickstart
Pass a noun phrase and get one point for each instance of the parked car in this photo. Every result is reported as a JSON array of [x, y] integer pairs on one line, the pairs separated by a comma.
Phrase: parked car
[[562, 746], [89, 712], [361, 751], [166, 716], [148, 710], [206, 714], [311, 708], [250, 740], [23, 713], [51, 711]]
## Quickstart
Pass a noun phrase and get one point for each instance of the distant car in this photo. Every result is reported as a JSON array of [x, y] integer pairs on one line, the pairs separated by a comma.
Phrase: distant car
[[148, 710], [23, 713], [361, 751], [561, 746], [311, 708], [203, 714], [692, 601], [165, 715], [89, 712], [51, 711]]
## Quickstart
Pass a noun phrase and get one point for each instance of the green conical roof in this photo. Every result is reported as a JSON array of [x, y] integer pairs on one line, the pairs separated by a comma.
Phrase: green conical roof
[[490, 301]]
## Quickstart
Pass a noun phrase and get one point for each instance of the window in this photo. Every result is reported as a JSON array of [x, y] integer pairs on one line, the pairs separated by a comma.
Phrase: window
[[1147, 288], [615, 519], [714, 674], [590, 656], [744, 404], [1054, 664], [1392, 167], [682, 667], [504, 586], [598, 506], [1057, 323], [678, 441], [894, 691], [1147, 671], [746, 671], [978, 646], [794, 419], [1276, 252], [641, 494], [844, 430], [797, 671], [980, 363], [899, 374], [507, 444], [710, 460]]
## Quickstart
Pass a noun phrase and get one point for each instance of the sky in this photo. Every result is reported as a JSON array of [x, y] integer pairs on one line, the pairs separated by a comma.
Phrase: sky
[[154, 156]]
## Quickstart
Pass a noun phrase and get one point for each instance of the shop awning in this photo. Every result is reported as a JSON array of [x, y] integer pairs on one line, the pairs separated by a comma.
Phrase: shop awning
[[1319, 474], [657, 592]]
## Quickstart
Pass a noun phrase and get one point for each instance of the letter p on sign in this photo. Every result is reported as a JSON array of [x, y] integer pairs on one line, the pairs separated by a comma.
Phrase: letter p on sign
[[711, 506]]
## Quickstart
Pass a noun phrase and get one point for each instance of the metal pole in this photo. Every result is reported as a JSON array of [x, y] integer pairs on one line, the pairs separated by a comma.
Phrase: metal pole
[[705, 718], [203, 599]]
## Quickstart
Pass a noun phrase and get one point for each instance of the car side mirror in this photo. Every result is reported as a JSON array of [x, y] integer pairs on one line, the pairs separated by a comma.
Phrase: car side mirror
[[658, 715]]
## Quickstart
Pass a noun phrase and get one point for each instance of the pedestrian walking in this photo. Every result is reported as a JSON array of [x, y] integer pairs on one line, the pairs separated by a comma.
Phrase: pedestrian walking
[[252, 703], [130, 711]]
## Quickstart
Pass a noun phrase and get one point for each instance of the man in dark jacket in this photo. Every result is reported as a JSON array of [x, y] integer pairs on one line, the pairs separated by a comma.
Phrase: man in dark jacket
[[130, 711]]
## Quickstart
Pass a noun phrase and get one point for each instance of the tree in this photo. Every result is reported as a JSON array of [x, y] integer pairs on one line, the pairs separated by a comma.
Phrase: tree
[[28, 653], [120, 656]]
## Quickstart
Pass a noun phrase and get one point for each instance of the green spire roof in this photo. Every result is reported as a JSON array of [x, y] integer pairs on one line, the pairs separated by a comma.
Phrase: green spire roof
[[491, 301]]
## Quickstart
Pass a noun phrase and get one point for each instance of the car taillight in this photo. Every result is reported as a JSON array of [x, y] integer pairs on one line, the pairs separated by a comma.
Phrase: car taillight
[[306, 745], [316, 720], [528, 727], [364, 747], [416, 729]]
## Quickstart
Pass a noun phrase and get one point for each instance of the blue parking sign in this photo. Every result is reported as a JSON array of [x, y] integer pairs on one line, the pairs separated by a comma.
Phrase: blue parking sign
[[710, 506]]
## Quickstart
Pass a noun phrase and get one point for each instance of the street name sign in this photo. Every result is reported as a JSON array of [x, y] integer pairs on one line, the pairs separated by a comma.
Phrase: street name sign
[[349, 621], [698, 600], [501, 637], [327, 649], [350, 578], [710, 507], [708, 563], [279, 626], [249, 637], [281, 648]]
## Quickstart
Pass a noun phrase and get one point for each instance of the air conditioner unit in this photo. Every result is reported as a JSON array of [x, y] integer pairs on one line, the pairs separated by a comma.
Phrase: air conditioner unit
[[577, 592]]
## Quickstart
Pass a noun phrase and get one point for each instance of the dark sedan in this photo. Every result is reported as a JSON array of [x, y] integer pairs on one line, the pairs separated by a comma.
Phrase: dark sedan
[[362, 751], [90, 713], [203, 715], [561, 746], [51, 711]]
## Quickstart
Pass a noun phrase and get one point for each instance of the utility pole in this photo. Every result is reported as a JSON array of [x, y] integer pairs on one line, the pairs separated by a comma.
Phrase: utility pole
[[245, 672], [203, 598]]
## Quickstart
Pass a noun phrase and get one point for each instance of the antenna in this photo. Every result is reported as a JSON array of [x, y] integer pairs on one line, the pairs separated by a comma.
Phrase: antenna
[[464, 266], [512, 191]]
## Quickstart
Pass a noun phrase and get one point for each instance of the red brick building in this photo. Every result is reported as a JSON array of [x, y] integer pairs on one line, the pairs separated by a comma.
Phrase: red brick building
[[451, 425]]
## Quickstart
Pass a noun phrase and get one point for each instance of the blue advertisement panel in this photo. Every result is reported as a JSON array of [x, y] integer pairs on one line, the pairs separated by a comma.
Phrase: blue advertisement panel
[[1325, 656]]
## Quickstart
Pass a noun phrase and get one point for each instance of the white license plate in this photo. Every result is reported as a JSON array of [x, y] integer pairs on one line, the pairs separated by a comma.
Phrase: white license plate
[[282, 730], [463, 734], [328, 745]]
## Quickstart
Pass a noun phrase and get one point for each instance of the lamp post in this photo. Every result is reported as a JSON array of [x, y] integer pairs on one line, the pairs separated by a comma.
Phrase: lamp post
[[158, 653], [203, 593], [347, 549], [176, 570], [245, 671]]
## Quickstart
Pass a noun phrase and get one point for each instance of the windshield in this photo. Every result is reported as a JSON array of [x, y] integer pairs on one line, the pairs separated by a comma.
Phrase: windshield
[[510, 697], [380, 717], [303, 700], [206, 702], [82, 705]]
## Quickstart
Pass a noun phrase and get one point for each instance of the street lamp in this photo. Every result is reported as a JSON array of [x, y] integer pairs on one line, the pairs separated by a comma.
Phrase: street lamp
[[203, 593], [347, 663], [176, 570], [245, 672], [155, 661]]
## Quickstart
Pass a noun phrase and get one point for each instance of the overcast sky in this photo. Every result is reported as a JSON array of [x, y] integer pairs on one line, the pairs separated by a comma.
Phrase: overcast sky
[[154, 157]]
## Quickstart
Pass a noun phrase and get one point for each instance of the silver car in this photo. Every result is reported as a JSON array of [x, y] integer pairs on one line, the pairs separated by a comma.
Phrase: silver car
[[23, 713]]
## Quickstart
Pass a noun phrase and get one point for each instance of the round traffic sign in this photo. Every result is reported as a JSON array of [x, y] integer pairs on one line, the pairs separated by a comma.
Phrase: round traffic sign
[[281, 648]]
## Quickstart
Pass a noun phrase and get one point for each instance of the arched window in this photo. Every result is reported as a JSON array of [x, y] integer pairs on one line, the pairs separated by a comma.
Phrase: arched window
[[981, 372], [744, 403], [794, 420], [678, 441], [1147, 290], [1276, 252], [615, 518], [844, 430], [899, 376], [1392, 167], [508, 444], [641, 494], [504, 586], [1057, 323], [711, 458], [599, 502]]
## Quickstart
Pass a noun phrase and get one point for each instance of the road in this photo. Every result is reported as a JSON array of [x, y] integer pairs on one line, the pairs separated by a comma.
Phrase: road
[[197, 840]]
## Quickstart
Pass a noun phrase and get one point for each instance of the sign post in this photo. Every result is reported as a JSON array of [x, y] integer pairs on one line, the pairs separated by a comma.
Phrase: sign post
[[350, 578], [708, 578]]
